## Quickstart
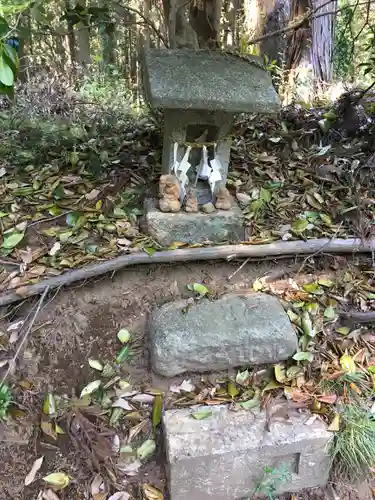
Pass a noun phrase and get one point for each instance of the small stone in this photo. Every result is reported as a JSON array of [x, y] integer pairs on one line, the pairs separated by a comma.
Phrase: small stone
[[223, 199], [208, 208], [224, 456], [191, 204], [213, 335], [243, 198], [169, 192]]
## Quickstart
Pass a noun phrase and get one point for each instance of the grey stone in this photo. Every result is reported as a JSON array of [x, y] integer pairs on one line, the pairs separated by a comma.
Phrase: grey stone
[[243, 198], [235, 330], [223, 456], [218, 227], [208, 208], [207, 80]]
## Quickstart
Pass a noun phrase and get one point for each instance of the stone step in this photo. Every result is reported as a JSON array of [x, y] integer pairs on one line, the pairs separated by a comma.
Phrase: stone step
[[213, 335], [224, 456]]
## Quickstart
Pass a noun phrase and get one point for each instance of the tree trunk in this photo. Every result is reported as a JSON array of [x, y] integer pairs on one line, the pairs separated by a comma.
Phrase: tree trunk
[[194, 24], [310, 49], [265, 16], [70, 36], [205, 17], [322, 41], [146, 30], [83, 38]]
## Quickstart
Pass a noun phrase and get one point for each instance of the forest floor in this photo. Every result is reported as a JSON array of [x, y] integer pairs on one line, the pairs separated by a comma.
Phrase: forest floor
[[71, 195], [80, 437]]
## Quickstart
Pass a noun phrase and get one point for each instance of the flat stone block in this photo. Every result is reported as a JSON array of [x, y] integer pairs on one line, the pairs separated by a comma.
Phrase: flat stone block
[[173, 79], [213, 335], [223, 457], [217, 227]]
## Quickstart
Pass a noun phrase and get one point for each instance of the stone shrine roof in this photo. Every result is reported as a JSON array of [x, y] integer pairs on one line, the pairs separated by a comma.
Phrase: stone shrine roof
[[207, 80]]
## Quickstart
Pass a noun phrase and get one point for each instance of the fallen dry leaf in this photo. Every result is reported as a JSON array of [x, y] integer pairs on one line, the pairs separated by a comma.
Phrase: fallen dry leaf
[[151, 493], [120, 495], [33, 471], [50, 495]]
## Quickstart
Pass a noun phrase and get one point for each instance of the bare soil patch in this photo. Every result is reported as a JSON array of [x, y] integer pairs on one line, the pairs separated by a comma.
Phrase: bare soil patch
[[80, 323]]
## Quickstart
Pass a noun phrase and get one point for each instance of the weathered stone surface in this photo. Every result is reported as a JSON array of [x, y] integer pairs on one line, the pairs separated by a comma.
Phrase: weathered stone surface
[[177, 126], [235, 330], [223, 457], [207, 80], [219, 226]]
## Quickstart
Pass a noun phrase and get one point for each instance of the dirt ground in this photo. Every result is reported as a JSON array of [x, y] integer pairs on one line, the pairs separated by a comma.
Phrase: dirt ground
[[81, 322]]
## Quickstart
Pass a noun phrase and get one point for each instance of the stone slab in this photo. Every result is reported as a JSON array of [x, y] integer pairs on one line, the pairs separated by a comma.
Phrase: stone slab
[[207, 80], [218, 227], [212, 335], [223, 457]]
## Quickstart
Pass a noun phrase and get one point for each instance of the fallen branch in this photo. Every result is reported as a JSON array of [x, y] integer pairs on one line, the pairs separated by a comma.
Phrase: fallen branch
[[358, 316], [227, 252], [25, 336]]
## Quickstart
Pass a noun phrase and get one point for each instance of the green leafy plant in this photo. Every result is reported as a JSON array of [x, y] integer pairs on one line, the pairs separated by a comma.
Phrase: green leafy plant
[[5, 401], [351, 385], [353, 448], [9, 62], [273, 478]]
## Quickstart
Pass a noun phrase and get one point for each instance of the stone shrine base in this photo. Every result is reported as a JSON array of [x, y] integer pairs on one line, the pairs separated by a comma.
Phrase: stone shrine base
[[217, 227], [224, 456]]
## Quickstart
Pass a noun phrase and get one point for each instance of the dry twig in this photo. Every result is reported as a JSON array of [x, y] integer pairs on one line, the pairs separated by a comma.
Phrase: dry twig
[[25, 336]]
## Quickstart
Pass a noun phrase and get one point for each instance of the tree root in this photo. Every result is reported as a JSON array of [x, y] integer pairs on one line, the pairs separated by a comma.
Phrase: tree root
[[358, 316], [227, 252]]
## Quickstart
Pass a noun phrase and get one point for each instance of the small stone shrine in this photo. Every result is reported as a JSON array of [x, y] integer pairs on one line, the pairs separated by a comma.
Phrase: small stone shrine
[[200, 93]]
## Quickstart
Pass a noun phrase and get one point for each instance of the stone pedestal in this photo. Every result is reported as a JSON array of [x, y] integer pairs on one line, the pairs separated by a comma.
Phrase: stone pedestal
[[223, 457], [221, 226]]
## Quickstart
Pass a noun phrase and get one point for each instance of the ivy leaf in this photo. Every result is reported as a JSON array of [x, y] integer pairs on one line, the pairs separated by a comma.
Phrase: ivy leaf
[[233, 390], [265, 195], [250, 404], [202, 414], [6, 73], [307, 325], [303, 356], [90, 388], [330, 313], [12, 238], [300, 225], [347, 363], [343, 330], [95, 364], [280, 373], [198, 288], [146, 449], [313, 288], [325, 282], [326, 219]]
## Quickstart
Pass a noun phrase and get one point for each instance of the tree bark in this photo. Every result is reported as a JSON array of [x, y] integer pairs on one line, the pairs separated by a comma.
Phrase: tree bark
[[265, 16], [70, 36], [310, 49], [205, 17], [83, 39]]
